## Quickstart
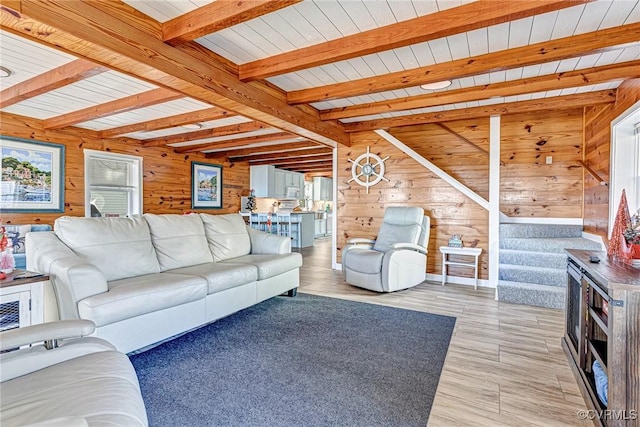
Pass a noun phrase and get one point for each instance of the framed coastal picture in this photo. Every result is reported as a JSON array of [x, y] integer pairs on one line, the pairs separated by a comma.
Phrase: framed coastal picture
[[206, 186], [32, 176]]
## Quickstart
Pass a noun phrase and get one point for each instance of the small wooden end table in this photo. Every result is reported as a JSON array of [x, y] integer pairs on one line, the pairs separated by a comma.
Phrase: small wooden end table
[[449, 250], [22, 299]]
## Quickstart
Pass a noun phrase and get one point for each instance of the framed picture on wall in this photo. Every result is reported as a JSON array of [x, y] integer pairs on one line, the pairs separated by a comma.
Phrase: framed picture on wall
[[32, 176], [206, 186]]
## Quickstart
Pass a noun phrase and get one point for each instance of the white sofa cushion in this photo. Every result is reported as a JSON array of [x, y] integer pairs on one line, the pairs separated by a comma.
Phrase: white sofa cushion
[[100, 387], [270, 265], [119, 247], [140, 295], [227, 236], [221, 276], [179, 240]]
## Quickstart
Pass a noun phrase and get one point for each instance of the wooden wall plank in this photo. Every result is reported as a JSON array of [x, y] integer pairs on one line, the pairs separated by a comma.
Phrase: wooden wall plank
[[360, 214], [166, 175], [528, 186], [597, 145]]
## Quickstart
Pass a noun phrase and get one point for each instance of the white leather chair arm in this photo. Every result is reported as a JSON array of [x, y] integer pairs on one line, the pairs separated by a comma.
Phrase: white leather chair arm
[[264, 243], [410, 246], [73, 343], [360, 241], [45, 331]]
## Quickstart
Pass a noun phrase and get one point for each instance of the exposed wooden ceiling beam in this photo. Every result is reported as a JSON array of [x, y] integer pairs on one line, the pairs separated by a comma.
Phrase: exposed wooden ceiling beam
[[217, 16], [122, 105], [92, 30], [204, 115], [320, 173], [61, 76], [205, 133], [240, 152], [326, 169], [552, 50], [577, 78], [228, 145], [294, 161], [316, 151], [470, 16], [553, 103], [326, 164], [238, 142]]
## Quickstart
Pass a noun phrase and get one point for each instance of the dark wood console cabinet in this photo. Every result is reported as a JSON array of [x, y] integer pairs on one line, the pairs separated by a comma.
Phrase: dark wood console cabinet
[[603, 324]]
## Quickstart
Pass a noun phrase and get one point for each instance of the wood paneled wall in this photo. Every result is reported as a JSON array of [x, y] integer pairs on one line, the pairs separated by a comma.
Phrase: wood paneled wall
[[528, 186], [597, 144], [167, 175], [360, 214]]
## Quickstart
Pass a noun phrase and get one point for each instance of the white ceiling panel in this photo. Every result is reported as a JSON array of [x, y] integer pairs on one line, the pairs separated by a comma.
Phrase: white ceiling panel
[[164, 10], [27, 59], [152, 112], [228, 137], [563, 23], [485, 102], [178, 129]]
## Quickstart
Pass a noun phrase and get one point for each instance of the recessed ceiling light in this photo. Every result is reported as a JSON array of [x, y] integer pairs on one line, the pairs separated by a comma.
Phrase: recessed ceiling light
[[436, 85], [5, 72], [193, 126]]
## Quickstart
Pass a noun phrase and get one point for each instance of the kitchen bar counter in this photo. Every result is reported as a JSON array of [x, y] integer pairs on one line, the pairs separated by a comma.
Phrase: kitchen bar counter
[[297, 225]]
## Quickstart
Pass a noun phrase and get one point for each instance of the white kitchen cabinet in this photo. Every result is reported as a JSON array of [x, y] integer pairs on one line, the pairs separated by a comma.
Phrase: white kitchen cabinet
[[267, 181], [262, 179], [280, 185], [322, 188]]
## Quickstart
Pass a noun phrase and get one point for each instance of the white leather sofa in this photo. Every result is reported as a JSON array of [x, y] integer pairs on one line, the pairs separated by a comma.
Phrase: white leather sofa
[[64, 380], [147, 278]]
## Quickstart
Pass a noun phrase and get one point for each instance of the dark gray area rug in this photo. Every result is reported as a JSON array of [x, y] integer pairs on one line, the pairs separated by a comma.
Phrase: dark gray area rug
[[303, 361]]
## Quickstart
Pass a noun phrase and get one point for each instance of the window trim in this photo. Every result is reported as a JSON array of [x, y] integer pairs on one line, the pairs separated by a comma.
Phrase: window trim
[[136, 162]]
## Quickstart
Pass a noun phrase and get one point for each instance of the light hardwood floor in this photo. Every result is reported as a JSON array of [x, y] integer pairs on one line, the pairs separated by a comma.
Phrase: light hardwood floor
[[505, 366]]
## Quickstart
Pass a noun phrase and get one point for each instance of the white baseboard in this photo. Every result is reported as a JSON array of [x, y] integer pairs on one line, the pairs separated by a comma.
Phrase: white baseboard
[[337, 266], [595, 238], [460, 280], [554, 221]]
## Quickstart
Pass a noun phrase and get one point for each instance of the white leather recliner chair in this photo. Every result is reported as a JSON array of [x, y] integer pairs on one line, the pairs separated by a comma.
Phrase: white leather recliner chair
[[61, 377], [397, 259]]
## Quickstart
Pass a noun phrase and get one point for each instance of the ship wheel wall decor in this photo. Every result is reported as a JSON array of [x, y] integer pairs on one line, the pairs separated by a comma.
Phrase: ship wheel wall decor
[[368, 169]]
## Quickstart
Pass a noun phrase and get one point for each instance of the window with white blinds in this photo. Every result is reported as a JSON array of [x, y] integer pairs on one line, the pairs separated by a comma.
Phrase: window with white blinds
[[113, 184]]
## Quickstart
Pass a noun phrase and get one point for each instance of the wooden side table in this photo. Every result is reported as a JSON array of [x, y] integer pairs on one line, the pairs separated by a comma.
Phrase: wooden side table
[[22, 299], [448, 250]]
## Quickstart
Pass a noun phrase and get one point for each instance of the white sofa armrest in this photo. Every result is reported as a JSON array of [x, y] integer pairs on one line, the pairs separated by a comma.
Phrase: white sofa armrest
[[73, 279], [410, 246], [264, 243], [72, 344]]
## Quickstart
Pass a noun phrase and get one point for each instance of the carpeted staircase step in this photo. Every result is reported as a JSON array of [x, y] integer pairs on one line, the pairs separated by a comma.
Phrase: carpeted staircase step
[[533, 258], [557, 245], [540, 230], [530, 294], [536, 275]]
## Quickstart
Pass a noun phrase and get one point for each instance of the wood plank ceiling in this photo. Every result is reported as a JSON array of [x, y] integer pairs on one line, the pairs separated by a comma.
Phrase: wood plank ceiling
[[281, 82]]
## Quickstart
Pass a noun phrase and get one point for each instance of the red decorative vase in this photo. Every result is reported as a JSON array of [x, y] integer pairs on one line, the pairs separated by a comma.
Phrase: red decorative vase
[[635, 251]]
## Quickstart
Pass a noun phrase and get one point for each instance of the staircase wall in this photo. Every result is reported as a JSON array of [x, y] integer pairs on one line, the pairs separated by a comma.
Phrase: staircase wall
[[597, 155]]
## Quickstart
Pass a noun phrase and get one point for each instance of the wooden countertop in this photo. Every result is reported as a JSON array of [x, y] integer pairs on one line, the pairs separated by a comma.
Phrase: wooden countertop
[[22, 277], [613, 275]]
